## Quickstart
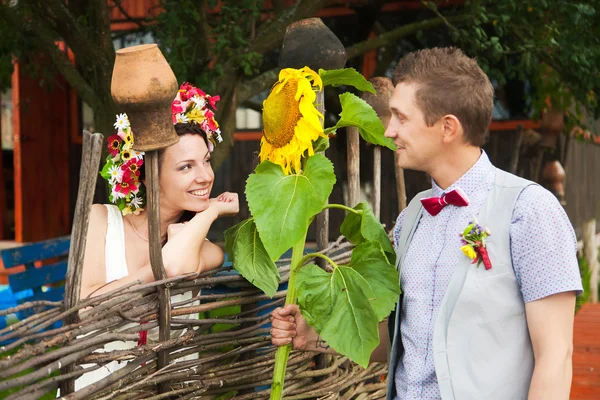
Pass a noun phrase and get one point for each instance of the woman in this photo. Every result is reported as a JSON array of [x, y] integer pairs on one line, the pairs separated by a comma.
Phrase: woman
[[117, 250]]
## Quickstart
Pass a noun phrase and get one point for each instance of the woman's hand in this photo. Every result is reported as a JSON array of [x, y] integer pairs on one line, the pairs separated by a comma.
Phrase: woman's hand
[[226, 204]]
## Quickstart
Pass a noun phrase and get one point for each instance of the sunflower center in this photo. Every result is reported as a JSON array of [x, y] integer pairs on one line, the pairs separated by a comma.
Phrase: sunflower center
[[281, 113]]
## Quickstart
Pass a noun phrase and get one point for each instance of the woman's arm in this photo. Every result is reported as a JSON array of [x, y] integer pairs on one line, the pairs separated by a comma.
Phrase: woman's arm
[[93, 278]]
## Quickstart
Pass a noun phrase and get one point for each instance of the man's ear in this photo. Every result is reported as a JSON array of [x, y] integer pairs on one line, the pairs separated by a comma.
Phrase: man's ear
[[451, 128]]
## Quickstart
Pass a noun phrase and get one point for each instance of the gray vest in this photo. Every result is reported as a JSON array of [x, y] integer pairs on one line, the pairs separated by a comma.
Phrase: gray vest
[[481, 344]]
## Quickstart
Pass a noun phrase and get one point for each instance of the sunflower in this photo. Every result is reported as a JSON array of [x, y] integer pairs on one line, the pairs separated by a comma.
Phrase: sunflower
[[291, 121]]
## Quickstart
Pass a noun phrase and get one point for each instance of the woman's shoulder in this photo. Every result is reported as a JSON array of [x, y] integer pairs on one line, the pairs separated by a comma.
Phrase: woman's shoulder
[[98, 217]]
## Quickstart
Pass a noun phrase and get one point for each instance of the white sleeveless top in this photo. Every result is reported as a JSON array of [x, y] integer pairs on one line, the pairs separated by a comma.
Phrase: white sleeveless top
[[116, 268]]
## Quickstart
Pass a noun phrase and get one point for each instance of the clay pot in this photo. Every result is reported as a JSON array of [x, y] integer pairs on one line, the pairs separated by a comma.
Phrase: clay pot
[[552, 125], [553, 175], [380, 101], [309, 42], [144, 86]]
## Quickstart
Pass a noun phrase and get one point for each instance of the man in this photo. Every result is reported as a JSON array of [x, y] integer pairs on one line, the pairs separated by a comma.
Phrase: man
[[501, 330]]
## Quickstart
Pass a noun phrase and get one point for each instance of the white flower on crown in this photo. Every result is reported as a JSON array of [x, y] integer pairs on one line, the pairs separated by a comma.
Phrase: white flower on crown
[[136, 202], [218, 135], [116, 174], [199, 102], [181, 118], [122, 122], [116, 195], [137, 155]]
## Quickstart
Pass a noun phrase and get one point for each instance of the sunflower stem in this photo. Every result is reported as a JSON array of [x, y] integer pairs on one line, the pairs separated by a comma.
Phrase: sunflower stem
[[343, 207], [320, 255], [283, 352]]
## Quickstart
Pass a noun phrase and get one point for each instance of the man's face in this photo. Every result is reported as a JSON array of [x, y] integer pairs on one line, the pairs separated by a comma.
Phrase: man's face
[[418, 144]]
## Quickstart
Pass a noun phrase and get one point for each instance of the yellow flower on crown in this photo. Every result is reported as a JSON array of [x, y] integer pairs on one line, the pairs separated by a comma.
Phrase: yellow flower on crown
[[290, 119]]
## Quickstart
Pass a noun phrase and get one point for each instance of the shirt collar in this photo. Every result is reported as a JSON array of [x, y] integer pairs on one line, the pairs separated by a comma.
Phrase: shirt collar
[[472, 181]]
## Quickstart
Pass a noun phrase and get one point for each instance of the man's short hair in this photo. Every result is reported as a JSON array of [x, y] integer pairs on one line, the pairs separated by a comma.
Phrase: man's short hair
[[449, 82]]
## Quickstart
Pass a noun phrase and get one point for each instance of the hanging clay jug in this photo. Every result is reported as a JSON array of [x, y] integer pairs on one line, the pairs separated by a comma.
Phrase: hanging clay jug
[[144, 86], [553, 175], [309, 42], [380, 101], [552, 125]]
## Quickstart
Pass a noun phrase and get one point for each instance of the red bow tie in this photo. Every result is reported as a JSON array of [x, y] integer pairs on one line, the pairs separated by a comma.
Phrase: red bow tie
[[434, 205]]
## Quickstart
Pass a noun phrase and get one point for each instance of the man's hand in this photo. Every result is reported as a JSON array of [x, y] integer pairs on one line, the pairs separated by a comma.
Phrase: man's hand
[[289, 326], [226, 203]]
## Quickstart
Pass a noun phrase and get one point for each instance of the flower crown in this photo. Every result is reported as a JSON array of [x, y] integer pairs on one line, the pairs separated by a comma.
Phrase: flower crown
[[191, 106], [122, 167]]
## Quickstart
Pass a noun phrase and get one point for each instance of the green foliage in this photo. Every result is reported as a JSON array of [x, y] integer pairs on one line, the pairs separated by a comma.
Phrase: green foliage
[[553, 44], [283, 205], [356, 112], [346, 76], [586, 275], [250, 258], [364, 227], [369, 260], [338, 306], [197, 43]]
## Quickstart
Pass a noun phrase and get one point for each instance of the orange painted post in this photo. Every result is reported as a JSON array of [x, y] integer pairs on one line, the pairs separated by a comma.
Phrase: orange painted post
[[586, 353]]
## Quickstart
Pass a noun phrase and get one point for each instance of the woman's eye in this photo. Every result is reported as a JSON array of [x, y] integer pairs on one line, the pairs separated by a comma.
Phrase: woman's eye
[[185, 167], [207, 161]]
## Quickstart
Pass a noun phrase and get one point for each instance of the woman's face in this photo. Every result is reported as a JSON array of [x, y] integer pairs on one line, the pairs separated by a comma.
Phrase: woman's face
[[186, 176]]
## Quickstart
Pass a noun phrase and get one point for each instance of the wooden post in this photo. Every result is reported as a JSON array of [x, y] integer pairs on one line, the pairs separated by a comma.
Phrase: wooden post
[[400, 185], [92, 149], [380, 101], [590, 252], [514, 157], [156, 261], [353, 160], [377, 181]]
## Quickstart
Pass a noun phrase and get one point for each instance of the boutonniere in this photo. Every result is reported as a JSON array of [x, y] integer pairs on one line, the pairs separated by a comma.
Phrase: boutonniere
[[473, 240]]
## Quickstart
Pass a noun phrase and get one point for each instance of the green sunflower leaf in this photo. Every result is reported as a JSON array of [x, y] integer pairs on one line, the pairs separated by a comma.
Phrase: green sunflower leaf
[[346, 76], [336, 305], [321, 144], [357, 112], [365, 227], [249, 257], [283, 205], [372, 264]]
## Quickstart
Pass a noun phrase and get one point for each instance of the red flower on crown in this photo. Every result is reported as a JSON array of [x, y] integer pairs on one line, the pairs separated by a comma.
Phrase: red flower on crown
[[114, 143]]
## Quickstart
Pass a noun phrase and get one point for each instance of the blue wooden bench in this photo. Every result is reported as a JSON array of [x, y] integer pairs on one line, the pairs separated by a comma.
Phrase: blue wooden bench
[[35, 284]]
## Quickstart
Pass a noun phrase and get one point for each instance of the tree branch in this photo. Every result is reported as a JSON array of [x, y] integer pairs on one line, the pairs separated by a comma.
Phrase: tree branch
[[265, 80], [256, 85], [270, 33], [56, 15], [402, 31], [59, 59], [128, 17]]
